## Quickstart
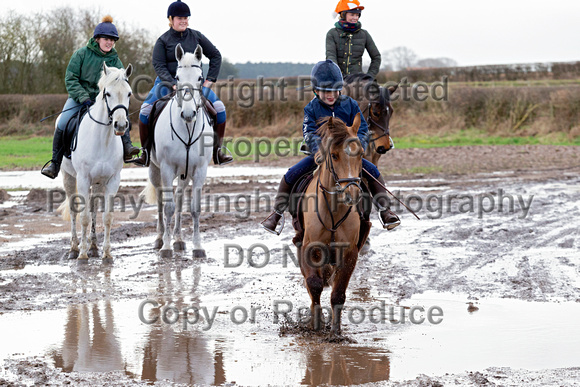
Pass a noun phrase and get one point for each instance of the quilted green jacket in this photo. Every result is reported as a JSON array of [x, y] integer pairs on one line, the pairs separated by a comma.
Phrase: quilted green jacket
[[84, 70], [346, 50]]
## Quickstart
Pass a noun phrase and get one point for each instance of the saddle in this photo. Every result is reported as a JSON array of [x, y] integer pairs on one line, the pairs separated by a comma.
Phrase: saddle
[[295, 205], [71, 131]]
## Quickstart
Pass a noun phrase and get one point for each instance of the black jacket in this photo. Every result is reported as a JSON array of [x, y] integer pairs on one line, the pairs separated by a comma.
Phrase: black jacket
[[164, 60]]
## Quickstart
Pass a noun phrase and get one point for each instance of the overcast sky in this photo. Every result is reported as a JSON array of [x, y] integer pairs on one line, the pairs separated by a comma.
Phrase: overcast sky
[[470, 32]]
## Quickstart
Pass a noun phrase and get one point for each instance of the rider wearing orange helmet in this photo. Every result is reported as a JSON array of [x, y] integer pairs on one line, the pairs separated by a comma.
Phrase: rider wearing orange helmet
[[347, 41]]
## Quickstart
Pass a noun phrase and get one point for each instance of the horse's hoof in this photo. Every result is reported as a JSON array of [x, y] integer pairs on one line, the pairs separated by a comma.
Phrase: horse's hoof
[[166, 253], [158, 244], [199, 253], [73, 254], [93, 252], [179, 246], [107, 260]]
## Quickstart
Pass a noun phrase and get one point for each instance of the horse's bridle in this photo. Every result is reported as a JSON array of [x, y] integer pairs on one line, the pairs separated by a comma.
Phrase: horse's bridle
[[110, 111], [191, 140], [339, 189], [370, 120]]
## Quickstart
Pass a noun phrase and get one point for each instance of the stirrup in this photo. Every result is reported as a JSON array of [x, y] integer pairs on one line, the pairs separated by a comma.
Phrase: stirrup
[[50, 162], [228, 151], [282, 223], [386, 226], [137, 160]]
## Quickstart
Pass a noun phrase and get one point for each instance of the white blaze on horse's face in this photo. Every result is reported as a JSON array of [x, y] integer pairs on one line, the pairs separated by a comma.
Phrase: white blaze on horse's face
[[116, 94], [189, 76]]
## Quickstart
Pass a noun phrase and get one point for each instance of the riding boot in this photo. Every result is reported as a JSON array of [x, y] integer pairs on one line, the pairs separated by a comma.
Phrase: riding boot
[[220, 158], [128, 149], [280, 204], [143, 160], [52, 168], [388, 218]]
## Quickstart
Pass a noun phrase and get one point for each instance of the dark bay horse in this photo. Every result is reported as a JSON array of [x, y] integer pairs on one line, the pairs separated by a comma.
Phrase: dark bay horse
[[375, 103], [333, 230]]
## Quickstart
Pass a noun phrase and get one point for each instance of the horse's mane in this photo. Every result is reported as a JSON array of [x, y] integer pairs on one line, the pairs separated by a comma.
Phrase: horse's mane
[[114, 75], [335, 128]]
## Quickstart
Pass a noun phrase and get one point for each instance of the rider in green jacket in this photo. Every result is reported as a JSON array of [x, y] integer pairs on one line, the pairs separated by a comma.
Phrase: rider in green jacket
[[347, 41], [81, 79]]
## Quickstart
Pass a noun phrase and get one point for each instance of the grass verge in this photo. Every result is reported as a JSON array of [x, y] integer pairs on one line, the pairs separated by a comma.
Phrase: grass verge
[[33, 152]]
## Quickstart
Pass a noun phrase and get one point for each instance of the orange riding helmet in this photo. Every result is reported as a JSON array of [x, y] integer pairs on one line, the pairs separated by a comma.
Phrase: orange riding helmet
[[348, 6]]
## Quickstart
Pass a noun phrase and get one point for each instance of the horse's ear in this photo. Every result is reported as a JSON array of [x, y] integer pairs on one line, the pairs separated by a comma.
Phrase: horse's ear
[[198, 53], [392, 89], [129, 70], [105, 69], [356, 123], [179, 52]]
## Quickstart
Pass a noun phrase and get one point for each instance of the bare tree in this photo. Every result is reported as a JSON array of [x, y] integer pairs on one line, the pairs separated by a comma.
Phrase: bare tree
[[400, 58]]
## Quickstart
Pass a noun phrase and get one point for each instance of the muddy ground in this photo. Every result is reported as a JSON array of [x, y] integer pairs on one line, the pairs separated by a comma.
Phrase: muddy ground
[[506, 277]]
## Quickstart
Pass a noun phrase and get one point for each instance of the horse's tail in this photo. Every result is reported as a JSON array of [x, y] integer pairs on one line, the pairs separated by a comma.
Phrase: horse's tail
[[149, 194], [64, 210]]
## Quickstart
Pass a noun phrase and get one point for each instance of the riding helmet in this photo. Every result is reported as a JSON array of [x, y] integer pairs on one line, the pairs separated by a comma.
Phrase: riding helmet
[[107, 29], [326, 76], [178, 8], [352, 6]]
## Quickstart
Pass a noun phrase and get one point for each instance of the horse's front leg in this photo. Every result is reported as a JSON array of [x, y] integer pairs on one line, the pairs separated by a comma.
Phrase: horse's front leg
[[198, 178], [179, 244], [97, 198], [340, 283], [83, 191], [314, 282], [110, 190], [168, 211]]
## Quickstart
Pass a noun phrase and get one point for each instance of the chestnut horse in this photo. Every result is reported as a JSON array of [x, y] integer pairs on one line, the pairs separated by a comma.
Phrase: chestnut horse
[[375, 103], [332, 235]]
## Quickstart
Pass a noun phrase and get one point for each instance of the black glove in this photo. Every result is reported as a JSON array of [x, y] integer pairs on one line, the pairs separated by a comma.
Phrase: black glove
[[87, 103]]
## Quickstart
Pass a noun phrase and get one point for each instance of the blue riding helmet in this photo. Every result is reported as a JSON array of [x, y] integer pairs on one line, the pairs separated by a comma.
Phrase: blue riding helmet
[[106, 29], [178, 8], [326, 76]]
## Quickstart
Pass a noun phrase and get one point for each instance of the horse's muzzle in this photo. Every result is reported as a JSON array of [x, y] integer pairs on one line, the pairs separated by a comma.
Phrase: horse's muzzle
[[120, 129]]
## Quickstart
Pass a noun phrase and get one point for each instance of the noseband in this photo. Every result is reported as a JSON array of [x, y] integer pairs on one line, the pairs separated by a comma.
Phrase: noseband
[[110, 111]]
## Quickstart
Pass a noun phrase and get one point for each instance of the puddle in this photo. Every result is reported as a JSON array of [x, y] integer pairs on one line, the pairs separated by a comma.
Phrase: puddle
[[108, 335]]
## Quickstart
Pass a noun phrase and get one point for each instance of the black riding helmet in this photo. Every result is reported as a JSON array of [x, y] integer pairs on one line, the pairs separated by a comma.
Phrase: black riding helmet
[[178, 8]]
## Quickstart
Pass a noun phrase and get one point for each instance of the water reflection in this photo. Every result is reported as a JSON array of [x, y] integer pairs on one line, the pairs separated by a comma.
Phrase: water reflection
[[107, 335], [345, 365]]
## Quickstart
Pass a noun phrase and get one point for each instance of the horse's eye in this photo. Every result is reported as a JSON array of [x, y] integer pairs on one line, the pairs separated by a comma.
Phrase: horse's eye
[[177, 78], [334, 156], [107, 94], [200, 79], [130, 94]]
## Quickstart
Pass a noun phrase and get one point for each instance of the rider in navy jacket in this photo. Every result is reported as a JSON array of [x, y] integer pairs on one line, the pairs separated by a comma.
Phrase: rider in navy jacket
[[327, 83], [344, 108]]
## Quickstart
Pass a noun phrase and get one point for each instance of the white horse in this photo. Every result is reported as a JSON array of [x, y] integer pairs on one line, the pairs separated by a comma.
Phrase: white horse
[[183, 147], [96, 163]]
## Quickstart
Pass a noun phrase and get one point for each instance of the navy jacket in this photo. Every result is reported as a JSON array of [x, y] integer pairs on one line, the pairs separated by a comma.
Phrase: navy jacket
[[344, 108], [165, 62]]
